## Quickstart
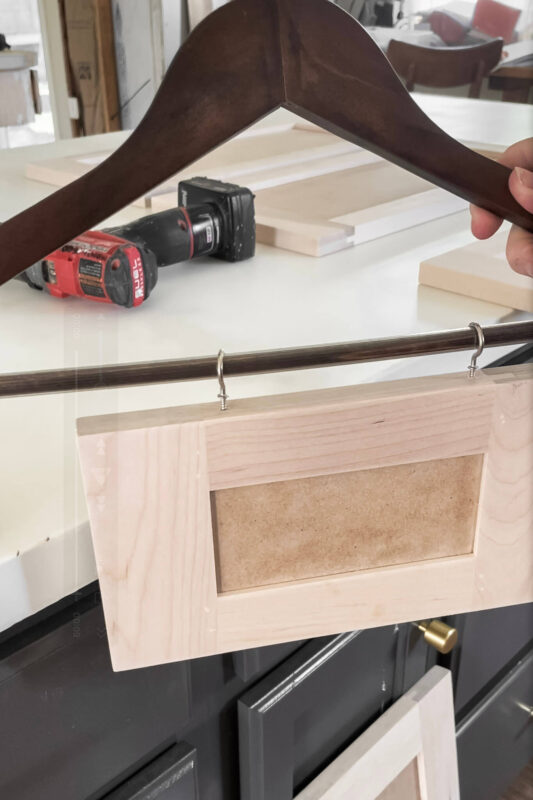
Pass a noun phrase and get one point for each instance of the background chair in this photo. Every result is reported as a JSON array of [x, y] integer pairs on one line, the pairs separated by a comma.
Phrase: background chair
[[440, 67]]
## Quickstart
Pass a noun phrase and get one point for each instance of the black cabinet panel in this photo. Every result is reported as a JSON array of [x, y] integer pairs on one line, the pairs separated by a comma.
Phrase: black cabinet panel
[[72, 728], [488, 642], [304, 713], [495, 741], [170, 776], [251, 664], [413, 658]]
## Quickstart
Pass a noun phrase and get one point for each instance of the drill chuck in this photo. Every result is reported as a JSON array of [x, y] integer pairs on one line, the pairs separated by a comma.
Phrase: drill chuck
[[176, 235]]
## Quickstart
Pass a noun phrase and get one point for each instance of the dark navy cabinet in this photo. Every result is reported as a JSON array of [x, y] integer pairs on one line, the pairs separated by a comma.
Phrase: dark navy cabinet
[[255, 725]]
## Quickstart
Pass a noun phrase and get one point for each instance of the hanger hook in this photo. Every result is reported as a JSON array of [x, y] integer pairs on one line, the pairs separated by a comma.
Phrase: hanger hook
[[221, 384], [480, 346]]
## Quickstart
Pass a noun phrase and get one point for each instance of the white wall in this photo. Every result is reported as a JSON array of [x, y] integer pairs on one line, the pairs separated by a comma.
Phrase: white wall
[[175, 27], [19, 16]]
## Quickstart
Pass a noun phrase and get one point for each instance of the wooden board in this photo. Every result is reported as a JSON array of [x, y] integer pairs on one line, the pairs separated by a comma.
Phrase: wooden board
[[328, 204], [278, 148], [405, 786], [315, 193], [90, 54], [138, 26], [149, 478], [327, 213], [480, 270], [409, 753]]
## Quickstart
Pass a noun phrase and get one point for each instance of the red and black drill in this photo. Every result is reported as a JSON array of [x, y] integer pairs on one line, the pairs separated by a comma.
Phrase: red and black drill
[[120, 265]]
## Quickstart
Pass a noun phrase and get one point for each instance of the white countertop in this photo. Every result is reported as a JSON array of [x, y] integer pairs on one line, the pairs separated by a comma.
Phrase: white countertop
[[17, 59], [279, 299]]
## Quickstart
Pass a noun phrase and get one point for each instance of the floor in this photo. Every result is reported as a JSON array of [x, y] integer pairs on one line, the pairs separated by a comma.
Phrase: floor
[[522, 788]]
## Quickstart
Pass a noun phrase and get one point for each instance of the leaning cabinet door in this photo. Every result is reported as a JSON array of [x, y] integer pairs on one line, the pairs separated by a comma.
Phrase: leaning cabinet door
[[301, 515], [407, 754]]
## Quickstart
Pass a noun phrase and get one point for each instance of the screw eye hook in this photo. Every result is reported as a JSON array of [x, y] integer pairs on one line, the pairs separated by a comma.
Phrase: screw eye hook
[[222, 394], [480, 347]]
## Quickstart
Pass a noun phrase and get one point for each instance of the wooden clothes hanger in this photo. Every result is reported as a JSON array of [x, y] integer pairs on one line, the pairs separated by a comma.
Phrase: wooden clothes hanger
[[242, 62]]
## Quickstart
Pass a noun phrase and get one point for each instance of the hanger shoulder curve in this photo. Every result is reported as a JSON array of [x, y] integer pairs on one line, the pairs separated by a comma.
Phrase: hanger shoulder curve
[[242, 62], [352, 90], [204, 100]]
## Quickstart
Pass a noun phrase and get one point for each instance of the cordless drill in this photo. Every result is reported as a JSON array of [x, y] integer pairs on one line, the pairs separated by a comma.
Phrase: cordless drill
[[120, 265]]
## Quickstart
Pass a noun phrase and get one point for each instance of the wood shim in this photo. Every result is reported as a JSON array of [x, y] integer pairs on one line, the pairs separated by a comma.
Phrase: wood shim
[[315, 193], [149, 477], [480, 270]]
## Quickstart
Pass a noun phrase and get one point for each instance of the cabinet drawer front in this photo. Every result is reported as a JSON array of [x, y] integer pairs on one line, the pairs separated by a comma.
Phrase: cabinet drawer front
[[489, 641], [495, 740], [251, 664], [80, 726], [300, 715], [171, 776]]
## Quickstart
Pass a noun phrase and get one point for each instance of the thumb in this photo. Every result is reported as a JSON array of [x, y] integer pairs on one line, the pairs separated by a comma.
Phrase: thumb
[[521, 186]]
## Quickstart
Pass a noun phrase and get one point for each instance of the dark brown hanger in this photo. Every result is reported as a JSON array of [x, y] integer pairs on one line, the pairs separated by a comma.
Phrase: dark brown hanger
[[242, 62]]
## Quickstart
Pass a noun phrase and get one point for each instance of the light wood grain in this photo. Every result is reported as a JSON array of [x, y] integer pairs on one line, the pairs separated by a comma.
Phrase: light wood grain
[[329, 204], [62, 171], [156, 565], [314, 193], [292, 402], [406, 786], [149, 475], [256, 151], [331, 438], [107, 67], [480, 270], [411, 743]]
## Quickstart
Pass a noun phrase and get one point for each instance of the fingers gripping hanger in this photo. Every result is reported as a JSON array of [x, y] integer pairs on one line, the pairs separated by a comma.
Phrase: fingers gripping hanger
[[242, 62]]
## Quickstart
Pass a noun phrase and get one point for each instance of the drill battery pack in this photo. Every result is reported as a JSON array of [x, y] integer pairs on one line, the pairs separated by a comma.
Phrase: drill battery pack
[[235, 205]]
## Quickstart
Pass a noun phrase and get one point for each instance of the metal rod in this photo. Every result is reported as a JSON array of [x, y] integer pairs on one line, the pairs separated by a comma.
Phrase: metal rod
[[136, 374]]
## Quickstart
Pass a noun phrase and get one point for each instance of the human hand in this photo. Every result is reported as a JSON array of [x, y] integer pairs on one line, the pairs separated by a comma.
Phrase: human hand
[[519, 249]]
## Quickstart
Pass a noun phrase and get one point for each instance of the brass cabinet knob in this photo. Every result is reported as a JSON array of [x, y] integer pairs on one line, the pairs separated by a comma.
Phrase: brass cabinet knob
[[439, 635]]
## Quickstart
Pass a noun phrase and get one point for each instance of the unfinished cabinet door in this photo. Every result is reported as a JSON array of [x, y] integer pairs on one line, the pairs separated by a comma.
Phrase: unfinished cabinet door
[[409, 753], [309, 514]]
